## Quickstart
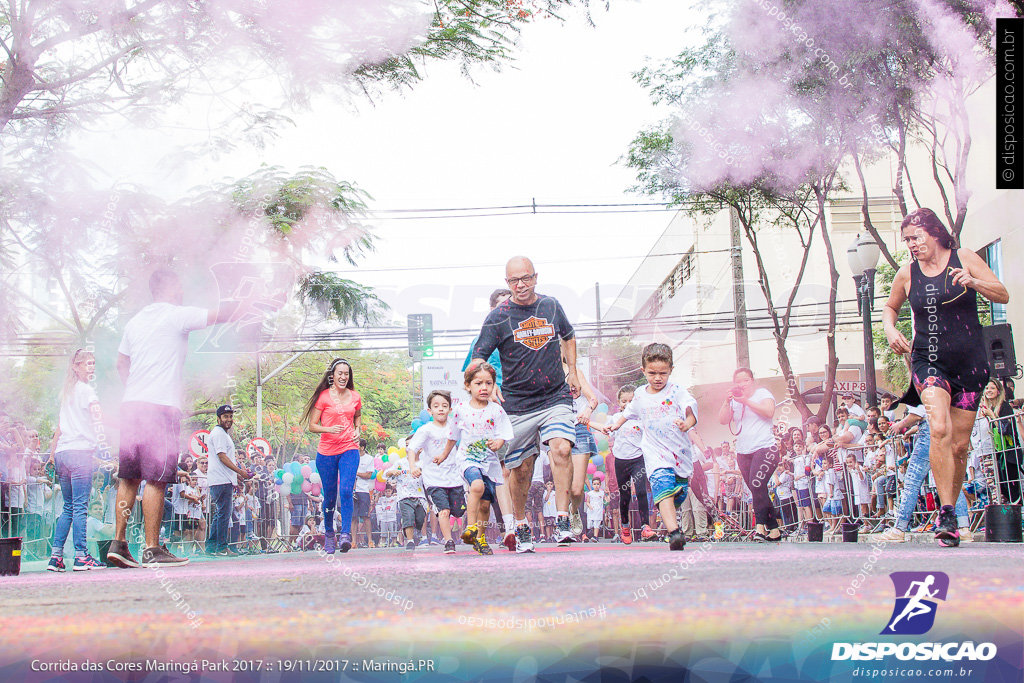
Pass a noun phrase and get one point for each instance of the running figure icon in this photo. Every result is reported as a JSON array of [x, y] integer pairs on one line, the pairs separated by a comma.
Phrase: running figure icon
[[916, 606]]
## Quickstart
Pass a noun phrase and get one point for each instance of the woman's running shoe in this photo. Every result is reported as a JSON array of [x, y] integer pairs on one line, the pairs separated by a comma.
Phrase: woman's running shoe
[[626, 535], [86, 563], [56, 564], [946, 531]]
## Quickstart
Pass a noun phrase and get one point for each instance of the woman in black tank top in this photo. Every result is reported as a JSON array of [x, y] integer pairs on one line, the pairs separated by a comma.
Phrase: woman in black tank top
[[948, 362]]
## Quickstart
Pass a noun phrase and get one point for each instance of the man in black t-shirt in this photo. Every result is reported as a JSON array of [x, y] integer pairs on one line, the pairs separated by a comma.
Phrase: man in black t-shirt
[[532, 335]]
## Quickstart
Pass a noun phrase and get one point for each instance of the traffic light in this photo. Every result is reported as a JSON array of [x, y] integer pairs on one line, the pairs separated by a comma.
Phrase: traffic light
[[421, 335]]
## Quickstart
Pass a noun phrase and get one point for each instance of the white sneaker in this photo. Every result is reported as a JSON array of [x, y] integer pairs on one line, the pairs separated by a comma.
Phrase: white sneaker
[[892, 535], [524, 539], [575, 521], [966, 535], [563, 534]]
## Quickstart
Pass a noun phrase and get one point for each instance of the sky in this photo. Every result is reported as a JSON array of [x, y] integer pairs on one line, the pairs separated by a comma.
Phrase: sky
[[550, 128]]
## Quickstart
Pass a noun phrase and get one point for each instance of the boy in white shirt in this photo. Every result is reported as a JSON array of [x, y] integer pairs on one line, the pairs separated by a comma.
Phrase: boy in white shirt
[[667, 412], [412, 501], [443, 482]]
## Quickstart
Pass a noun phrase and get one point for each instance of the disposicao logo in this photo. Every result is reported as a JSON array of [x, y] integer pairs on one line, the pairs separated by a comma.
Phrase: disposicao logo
[[916, 592], [912, 615]]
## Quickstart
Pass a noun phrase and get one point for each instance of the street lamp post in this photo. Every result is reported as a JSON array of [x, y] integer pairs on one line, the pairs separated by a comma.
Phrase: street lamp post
[[863, 257]]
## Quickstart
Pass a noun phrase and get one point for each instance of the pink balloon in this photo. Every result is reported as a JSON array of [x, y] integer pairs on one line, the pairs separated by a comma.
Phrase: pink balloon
[[591, 468], [378, 463], [306, 471], [315, 489], [306, 487], [379, 486], [599, 475]]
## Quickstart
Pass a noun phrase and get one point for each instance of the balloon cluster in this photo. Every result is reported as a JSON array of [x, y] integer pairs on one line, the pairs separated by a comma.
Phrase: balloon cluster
[[423, 419], [597, 467], [295, 477], [391, 459]]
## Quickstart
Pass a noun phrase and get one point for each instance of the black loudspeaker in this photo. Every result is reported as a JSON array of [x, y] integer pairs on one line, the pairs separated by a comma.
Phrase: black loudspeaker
[[999, 348]]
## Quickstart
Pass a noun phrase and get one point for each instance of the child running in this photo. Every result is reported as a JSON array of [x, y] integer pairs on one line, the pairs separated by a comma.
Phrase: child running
[[667, 412], [412, 502], [443, 482], [481, 428]]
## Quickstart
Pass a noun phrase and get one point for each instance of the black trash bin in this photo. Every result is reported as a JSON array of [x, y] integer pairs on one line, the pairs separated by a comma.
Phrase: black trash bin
[[10, 556]]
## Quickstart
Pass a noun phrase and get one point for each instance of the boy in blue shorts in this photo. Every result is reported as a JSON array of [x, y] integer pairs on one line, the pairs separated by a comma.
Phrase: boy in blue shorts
[[668, 412]]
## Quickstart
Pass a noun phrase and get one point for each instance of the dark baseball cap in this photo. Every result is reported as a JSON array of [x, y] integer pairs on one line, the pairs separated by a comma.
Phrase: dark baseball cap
[[226, 408]]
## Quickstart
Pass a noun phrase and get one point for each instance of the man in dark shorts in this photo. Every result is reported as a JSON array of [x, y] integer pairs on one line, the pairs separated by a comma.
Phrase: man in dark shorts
[[150, 362], [532, 335]]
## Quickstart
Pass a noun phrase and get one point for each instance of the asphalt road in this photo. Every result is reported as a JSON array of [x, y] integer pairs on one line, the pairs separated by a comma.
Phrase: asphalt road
[[466, 615]]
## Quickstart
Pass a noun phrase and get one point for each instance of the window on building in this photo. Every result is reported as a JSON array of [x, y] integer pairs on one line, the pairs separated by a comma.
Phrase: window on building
[[993, 255], [683, 271]]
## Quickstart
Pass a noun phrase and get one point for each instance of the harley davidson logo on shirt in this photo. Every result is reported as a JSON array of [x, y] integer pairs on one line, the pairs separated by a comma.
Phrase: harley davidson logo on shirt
[[534, 332]]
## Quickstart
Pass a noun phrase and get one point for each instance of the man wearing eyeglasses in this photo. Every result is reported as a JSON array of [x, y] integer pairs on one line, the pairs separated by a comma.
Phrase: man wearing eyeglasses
[[532, 335]]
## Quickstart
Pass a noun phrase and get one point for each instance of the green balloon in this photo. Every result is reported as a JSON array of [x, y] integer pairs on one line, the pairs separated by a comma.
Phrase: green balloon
[[297, 486], [278, 474]]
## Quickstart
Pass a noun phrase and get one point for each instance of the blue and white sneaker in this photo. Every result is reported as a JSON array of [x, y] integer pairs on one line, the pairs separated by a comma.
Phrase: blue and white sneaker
[[56, 564], [87, 563]]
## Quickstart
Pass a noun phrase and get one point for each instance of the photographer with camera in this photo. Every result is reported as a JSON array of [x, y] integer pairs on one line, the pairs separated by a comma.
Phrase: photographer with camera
[[752, 408]]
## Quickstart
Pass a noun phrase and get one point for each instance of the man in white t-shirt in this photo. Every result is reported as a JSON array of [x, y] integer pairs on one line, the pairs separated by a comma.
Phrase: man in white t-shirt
[[222, 475], [361, 494], [150, 362]]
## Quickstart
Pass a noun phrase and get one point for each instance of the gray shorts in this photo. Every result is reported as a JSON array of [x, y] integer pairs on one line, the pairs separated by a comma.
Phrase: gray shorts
[[539, 427], [413, 512]]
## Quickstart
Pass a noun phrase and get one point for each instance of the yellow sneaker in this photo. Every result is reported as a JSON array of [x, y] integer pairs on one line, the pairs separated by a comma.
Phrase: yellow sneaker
[[469, 534], [480, 545]]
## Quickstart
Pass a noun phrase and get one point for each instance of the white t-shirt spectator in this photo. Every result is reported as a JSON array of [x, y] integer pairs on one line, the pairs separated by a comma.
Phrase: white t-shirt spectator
[[664, 445], [431, 439], [472, 428], [179, 504], [35, 498], [77, 424], [16, 497], [784, 489], [755, 431], [216, 472], [538, 468], [626, 445], [549, 504], [387, 509], [95, 531], [595, 505], [156, 340], [981, 436], [365, 466], [203, 486], [851, 428], [195, 510], [800, 464], [857, 412]]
